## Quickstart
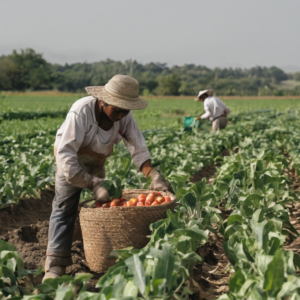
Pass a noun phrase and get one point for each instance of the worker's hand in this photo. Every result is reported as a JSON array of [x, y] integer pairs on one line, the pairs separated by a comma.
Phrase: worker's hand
[[197, 118], [225, 112], [158, 182], [100, 193]]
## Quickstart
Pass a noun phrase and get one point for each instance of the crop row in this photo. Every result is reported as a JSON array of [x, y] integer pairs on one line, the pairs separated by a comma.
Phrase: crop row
[[27, 162], [29, 115], [250, 182]]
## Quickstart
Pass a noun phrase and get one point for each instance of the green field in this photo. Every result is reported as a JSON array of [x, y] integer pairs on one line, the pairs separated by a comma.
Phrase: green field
[[160, 112], [249, 206]]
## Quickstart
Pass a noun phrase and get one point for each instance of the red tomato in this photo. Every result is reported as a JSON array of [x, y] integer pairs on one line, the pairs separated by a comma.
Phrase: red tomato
[[150, 198], [142, 198], [132, 202], [167, 199], [123, 203], [97, 205], [160, 199], [114, 204], [123, 199], [115, 200], [147, 203], [106, 205], [155, 203], [140, 204]]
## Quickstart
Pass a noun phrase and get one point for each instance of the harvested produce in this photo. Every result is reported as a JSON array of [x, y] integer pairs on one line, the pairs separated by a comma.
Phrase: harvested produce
[[150, 198], [98, 204], [155, 202], [142, 198], [153, 198]]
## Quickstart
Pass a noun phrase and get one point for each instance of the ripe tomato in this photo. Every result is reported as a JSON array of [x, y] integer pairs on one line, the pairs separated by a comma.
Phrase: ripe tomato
[[114, 204], [140, 204], [155, 203], [115, 200], [160, 199], [123, 199], [147, 203], [142, 198], [132, 202], [123, 203], [150, 198], [106, 205], [167, 199], [97, 205]]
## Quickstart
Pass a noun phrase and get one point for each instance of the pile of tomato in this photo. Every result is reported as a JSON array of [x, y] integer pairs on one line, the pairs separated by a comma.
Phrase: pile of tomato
[[142, 200]]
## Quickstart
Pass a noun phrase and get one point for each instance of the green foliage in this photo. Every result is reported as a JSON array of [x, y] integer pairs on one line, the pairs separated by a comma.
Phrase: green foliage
[[29, 70], [25, 70], [168, 85], [113, 187], [296, 76], [251, 182], [12, 269]]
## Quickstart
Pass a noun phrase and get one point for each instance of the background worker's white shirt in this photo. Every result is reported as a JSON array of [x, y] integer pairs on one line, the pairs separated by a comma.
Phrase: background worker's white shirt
[[214, 108], [75, 133]]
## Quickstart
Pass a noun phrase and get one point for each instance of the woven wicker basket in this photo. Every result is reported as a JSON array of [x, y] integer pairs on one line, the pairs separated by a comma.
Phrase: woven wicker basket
[[105, 230]]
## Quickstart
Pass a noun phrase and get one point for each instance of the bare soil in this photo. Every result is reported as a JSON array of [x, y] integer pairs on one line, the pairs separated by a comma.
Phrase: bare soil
[[206, 172], [26, 227], [210, 279], [29, 211]]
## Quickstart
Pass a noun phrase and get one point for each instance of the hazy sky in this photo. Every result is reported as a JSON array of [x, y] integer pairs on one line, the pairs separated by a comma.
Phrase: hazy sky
[[237, 33]]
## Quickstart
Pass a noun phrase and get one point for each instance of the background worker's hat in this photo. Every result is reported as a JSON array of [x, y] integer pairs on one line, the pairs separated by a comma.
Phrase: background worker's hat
[[121, 91], [208, 92]]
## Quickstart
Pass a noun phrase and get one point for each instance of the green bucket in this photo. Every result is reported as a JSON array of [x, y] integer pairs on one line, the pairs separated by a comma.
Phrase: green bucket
[[188, 121]]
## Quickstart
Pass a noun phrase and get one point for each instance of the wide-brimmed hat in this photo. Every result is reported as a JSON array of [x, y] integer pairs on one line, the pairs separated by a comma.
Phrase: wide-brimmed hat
[[121, 91], [208, 92]]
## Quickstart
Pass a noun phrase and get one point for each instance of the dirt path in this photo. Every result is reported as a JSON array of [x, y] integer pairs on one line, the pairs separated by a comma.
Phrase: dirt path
[[210, 280]]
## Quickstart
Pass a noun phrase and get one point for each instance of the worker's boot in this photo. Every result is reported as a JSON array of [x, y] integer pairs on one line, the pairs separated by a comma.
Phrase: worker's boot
[[54, 272]]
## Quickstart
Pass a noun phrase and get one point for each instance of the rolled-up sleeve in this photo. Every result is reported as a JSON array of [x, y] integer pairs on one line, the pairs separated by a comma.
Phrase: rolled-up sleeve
[[135, 143], [69, 144]]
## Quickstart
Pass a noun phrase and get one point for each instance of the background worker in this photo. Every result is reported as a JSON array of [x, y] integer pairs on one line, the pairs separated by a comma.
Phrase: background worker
[[92, 127], [215, 110]]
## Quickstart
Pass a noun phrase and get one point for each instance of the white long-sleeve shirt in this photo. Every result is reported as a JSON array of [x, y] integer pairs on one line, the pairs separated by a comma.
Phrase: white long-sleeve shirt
[[78, 131], [214, 108]]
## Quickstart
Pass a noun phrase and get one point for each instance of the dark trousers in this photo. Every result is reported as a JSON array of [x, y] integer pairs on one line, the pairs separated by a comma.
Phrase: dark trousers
[[61, 227]]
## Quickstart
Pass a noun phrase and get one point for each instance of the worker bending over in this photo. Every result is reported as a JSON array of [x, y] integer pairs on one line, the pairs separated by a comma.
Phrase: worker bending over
[[92, 127], [215, 110]]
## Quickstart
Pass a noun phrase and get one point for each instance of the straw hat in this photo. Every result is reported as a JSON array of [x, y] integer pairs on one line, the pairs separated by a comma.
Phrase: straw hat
[[121, 91], [208, 92]]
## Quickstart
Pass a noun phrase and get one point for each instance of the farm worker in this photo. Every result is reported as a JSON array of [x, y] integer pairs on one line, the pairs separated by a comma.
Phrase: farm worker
[[215, 110], [92, 127]]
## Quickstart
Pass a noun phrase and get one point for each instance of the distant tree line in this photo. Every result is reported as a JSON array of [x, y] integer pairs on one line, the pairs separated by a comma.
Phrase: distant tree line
[[28, 70]]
